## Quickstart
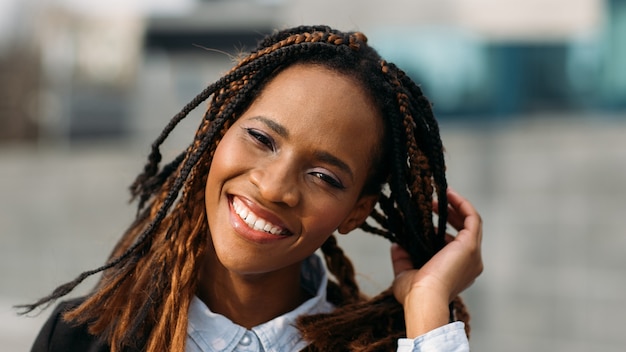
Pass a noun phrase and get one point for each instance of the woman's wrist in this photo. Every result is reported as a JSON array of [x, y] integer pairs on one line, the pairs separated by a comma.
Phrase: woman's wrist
[[424, 310]]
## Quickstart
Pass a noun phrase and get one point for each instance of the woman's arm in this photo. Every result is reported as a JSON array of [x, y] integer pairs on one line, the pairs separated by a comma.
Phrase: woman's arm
[[426, 293]]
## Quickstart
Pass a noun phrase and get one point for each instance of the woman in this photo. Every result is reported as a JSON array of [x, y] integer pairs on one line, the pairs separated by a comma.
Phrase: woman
[[310, 134]]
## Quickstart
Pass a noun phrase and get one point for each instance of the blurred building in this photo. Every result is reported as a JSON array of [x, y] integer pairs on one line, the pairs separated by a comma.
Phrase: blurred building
[[105, 70], [508, 58]]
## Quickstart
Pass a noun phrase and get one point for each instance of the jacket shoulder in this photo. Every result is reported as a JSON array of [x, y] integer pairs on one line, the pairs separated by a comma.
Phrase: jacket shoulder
[[60, 335]]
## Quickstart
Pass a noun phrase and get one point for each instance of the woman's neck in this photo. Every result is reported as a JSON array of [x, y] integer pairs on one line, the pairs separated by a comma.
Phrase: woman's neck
[[251, 299]]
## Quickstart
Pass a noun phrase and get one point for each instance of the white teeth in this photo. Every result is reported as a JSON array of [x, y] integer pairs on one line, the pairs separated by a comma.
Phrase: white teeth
[[250, 219], [259, 225], [253, 221], [243, 213], [274, 231]]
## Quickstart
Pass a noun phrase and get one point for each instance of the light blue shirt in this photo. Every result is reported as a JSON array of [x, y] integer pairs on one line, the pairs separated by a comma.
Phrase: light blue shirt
[[209, 332]]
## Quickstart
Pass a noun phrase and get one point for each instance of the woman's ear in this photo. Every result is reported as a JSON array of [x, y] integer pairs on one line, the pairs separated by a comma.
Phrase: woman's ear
[[359, 213]]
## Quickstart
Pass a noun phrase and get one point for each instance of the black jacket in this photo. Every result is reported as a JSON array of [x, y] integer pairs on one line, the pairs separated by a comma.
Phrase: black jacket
[[58, 335]]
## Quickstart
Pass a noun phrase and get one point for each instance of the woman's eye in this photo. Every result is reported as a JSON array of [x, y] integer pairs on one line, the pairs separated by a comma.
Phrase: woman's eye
[[261, 138], [333, 182]]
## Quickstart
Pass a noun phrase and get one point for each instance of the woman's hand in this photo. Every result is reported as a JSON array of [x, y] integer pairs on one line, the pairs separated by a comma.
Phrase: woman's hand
[[427, 292]]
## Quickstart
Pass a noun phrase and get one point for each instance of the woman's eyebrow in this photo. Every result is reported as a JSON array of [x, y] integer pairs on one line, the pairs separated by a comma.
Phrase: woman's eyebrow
[[275, 126], [335, 161]]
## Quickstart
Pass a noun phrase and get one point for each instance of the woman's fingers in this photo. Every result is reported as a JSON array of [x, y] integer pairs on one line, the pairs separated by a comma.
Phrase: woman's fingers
[[428, 291], [461, 213], [455, 266], [462, 254], [461, 207]]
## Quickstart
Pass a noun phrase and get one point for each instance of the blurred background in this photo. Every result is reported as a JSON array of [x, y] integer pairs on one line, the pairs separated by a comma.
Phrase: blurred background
[[531, 96]]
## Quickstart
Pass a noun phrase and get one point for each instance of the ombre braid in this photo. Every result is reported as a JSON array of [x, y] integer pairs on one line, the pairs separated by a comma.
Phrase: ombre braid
[[151, 275]]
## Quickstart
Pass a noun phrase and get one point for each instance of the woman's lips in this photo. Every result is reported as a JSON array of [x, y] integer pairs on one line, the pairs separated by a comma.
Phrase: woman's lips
[[253, 226], [255, 221]]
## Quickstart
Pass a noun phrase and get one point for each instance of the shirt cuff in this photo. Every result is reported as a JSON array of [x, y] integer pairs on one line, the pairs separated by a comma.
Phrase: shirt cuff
[[448, 338]]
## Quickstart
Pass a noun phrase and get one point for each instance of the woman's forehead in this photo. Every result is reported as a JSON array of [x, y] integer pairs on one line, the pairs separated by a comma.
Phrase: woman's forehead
[[314, 96]]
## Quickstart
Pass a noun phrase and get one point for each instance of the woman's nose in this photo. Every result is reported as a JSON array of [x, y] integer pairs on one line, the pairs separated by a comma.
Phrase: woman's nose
[[277, 182]]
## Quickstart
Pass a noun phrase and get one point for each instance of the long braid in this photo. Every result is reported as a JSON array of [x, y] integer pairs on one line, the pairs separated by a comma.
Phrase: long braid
[[341, 267], [419, 188], [432, 145]]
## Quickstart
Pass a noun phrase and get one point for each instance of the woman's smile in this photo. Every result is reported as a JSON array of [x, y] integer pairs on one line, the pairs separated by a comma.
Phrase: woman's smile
[[254, 226]]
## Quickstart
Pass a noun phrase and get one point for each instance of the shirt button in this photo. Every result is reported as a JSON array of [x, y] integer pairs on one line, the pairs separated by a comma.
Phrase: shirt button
[[246, 340]]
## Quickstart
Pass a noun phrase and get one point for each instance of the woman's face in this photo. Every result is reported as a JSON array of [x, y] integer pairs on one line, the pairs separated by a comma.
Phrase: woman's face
[[290, 170]]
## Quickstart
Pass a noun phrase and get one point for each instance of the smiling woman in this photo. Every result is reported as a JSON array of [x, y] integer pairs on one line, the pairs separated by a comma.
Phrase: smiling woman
[[310, 134]]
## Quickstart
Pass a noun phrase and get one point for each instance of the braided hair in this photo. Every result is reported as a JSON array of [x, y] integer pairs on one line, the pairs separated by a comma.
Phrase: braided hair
[[151, 274]]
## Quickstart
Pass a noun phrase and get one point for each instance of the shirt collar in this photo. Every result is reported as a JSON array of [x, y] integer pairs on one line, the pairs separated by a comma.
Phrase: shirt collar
[[208, 331]]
